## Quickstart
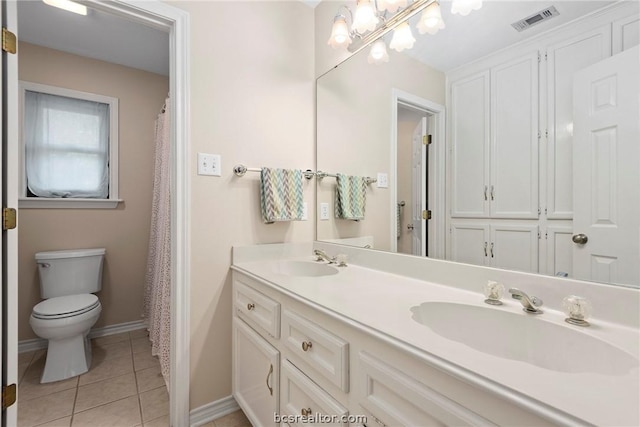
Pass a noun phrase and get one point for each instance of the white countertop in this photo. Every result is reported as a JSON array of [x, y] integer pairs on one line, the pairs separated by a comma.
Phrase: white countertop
[[381, 302]]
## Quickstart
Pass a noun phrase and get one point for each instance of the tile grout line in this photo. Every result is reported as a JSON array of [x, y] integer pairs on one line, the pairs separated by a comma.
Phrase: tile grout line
[[135, 375]]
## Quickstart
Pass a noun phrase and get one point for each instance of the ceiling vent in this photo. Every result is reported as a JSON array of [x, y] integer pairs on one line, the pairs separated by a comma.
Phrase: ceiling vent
[[536, 18]]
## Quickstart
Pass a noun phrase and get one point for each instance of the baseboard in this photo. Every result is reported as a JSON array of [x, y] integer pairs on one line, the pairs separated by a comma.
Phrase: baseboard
[[212, 411], [39, 343]]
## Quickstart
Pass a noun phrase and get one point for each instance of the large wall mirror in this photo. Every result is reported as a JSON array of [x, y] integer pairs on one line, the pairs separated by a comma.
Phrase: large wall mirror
[[494, 146]]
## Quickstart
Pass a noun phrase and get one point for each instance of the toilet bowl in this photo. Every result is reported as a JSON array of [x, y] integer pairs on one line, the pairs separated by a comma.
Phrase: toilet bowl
[[69, 350], [69, 311]]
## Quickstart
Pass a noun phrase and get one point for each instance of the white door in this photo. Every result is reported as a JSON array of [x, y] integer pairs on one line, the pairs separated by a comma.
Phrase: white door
[[256, 375], [419, 200], [513, 190], [470, 242], [606, 173], [9, 185]]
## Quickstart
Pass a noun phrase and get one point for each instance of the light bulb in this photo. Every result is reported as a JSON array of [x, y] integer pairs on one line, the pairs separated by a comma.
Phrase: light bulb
[[378, 53], [431, 20], [464, 7], [339, 33], [402, 38], [391, 5], [68, 5], [365, 18]]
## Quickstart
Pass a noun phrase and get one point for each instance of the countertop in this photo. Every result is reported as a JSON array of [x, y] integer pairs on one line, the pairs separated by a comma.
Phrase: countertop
[[381, 302]]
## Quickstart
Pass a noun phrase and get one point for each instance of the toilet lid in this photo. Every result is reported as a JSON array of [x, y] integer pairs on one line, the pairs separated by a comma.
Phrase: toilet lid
[[70, 305]]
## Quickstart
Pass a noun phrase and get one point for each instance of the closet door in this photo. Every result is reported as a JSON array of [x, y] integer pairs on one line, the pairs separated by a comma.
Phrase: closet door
[[470, 146], [563, 60], [514, 246], [513, 190], [470, 242]]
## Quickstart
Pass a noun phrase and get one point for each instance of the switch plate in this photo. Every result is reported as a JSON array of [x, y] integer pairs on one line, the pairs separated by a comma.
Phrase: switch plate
[[305, 212], [383, 180], [324, 211], [209, 164]]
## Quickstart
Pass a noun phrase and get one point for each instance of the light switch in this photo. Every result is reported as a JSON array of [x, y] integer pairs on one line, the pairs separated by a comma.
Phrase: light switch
[[383, 180], [324, 211], [209, 164], [305, 212]]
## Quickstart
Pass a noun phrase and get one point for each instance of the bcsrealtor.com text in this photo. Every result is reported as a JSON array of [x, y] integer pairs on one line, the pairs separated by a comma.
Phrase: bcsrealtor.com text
[[318, 418]]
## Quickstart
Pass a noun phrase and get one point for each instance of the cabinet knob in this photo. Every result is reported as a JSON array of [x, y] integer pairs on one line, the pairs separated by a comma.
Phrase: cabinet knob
[[306, 345], [251, 306], [306, 412]]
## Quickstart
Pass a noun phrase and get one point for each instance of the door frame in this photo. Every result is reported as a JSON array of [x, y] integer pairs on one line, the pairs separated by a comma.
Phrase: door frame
[[176, 21], [436, 168]]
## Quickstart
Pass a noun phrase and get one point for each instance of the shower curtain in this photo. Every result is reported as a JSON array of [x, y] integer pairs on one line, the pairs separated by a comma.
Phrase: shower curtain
[[157, 298]]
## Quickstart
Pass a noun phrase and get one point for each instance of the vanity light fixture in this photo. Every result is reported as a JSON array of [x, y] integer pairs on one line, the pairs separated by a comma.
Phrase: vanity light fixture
[[366, 18], [365, 27], [402, 38], [378, 53], [68, 5], [464, 7], [431, 20]]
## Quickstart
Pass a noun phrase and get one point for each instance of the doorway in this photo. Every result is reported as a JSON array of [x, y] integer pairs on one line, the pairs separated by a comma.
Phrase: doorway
[[417, 155], [174, 21]]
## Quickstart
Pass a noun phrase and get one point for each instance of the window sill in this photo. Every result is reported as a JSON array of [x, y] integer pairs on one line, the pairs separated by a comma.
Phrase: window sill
[[44, 203]]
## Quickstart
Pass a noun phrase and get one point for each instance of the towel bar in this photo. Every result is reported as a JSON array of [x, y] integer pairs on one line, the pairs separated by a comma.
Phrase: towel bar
[[240, 170]]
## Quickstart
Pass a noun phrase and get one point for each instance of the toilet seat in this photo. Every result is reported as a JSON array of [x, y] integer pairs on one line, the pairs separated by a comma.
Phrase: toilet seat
[[67, 306]]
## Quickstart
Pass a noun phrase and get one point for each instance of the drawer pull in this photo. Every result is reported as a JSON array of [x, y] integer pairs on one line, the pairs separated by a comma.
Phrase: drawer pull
[[306, 345], [305, 412], [268, 377], [251, 306]]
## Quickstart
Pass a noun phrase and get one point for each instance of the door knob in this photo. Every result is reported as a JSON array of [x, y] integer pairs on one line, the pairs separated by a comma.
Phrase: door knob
[[409, 226], [580, 239]]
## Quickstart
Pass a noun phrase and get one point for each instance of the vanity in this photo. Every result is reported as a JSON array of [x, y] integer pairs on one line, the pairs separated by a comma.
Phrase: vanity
[[394, 340]]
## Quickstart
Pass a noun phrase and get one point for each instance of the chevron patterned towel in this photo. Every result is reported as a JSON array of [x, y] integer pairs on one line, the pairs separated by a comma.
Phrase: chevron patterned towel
[[281, 195], [351, 194]]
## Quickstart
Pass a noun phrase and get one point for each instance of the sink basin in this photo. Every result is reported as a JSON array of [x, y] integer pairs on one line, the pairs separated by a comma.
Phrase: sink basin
[[524, 338], [304, 268]]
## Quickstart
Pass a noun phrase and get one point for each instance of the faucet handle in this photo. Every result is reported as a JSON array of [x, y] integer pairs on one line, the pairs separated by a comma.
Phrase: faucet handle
[[577, 309]]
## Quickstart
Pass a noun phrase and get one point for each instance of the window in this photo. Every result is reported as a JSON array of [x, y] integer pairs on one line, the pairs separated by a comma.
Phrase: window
[[70, 148]]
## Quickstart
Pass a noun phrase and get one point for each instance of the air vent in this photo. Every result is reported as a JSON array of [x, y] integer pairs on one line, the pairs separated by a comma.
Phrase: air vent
[[536, 18]]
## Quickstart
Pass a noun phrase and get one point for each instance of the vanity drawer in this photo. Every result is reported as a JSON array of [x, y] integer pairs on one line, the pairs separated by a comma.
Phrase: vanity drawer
[[302, 397], [256, 308], [316, 348], [394, 397]]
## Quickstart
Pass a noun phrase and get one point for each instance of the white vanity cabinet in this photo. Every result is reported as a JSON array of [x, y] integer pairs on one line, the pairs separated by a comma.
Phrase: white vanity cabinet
[[496, 243], [337, 372]]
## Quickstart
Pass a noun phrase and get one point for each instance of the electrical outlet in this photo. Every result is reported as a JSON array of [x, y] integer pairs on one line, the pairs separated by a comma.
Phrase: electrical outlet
[[305, 212], [324, 211], [209, 164], [383, 180]]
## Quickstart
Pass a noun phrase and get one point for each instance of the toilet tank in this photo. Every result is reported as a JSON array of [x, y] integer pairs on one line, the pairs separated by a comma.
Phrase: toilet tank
[[69, 272]]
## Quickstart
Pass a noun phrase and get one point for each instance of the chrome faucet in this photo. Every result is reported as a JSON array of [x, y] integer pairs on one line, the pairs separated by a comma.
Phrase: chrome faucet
[[322, 255], [530, 304]]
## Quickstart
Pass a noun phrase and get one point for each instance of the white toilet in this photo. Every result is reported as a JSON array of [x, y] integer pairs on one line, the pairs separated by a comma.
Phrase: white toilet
[[67, 282]]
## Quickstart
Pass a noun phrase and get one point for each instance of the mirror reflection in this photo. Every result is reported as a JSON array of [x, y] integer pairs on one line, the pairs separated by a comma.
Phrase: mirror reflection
[[496, 146]]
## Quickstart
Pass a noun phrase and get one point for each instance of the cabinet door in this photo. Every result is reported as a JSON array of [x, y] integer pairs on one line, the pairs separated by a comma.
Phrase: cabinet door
[[514, 139], [256, 375], [470, 146], [470, 242], [559, 248], [563, 60], [514, 246]]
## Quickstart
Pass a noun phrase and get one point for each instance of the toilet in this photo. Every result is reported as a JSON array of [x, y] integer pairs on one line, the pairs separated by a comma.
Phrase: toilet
[[68, 280]]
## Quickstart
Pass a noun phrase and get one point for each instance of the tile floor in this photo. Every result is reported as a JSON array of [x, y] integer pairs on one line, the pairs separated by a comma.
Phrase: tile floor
[[123, 388]]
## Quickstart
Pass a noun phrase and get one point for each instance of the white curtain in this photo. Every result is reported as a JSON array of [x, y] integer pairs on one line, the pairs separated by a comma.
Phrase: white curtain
[[67, 146], [157, 301]]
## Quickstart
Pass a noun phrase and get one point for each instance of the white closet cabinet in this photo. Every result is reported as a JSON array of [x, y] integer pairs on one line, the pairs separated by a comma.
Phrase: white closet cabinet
[[504, 244], [564, 58], [494, 140]]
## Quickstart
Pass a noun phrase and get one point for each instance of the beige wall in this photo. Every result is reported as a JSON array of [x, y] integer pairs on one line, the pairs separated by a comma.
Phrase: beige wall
[[124, 231], [252, 81]]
